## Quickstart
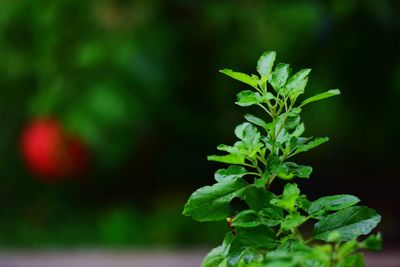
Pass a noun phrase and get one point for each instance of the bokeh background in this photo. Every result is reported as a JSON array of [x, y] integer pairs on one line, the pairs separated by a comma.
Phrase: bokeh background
[[138, 83]]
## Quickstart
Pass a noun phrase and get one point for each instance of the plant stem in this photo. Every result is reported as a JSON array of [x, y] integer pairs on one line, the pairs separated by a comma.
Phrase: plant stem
[[254, 173], [248, 165], [265, 109]]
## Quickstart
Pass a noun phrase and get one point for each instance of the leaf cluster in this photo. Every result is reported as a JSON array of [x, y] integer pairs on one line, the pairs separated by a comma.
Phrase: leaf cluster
[[266, 231]]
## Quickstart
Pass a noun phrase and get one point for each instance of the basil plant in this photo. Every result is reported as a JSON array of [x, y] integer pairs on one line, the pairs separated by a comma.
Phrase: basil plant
[[266, 228]]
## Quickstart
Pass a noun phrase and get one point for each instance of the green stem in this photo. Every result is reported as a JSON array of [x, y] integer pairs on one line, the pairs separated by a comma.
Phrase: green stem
[[265, 109], [253, 173], [248, 165], [261, 159], [269, 181]]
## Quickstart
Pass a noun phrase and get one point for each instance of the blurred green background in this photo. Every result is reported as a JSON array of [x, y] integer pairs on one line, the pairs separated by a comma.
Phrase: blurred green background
[[138, 82]]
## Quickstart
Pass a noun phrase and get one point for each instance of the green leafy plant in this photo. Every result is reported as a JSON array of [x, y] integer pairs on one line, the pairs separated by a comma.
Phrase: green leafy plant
[[266, 229]]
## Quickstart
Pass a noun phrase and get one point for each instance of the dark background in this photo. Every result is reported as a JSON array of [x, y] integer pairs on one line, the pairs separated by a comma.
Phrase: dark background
[[139, 82]]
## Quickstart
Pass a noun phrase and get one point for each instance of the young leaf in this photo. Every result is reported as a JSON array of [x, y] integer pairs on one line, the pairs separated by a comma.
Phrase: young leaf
[[261, 182], [290, 194], [312, 144], [289, 170], [373, 242], [279, 76], [232, 172], [303, 171], [333, 203], [211, 203], [257, 121], [265, 63], [239, 130], [256, 240], [299, 130], [296, 142], [218, 255], [347, 248], [296, 84], [303, 203], [273, 164], [214, 258], [321, 96], [350, 223], [248, 98], [246, 219], [230, 159], [356, 260], [242, 77], [292, 221], [251, 135], [270, 216], [257, 198], [229, 149]]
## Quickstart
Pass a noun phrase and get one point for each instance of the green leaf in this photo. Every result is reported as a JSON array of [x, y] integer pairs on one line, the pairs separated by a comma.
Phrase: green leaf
[[239, 130], [299, 130], [292, 221], [242, 77], [303, 171], [231, 173], [246, 218], [250, 137], [350, 223], [321, 96], [255, 240], [214, 258], [257, 198], [333, 203], [273, 164], [303, 203], [229, 149], [211, 203], [312, 144], [290, 194], [296, 142], [292, 122], [356, 260], [296, 84], [230, 159], [270, 217], [347, 248], [257, 121], [265, 63], [217, 256], [373, 242], [248, 98], [280, 76], [261, 182], [281, 264], [252, 264], [289, 170]]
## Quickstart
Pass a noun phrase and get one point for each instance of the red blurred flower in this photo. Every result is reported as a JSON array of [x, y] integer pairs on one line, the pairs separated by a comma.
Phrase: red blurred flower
[[50, 153]]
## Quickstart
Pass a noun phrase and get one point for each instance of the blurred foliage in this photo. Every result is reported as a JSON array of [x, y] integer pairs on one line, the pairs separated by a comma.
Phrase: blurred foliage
[[138, 81]]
